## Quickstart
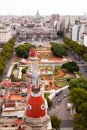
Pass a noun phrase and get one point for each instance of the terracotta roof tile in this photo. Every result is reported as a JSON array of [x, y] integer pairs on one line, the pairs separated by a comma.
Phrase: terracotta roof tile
[[18, 122]]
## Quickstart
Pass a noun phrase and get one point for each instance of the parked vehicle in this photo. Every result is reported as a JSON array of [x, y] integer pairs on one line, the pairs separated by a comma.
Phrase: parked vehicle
[[59, 100], [64, 95], [24, 94], [57, 93], [69, 106]]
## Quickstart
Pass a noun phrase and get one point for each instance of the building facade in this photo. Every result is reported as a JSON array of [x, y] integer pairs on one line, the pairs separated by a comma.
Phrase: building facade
[[5, 34]]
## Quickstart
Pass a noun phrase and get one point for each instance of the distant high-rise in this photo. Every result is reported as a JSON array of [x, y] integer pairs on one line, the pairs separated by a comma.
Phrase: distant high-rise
[[75, 32], [5, 34]]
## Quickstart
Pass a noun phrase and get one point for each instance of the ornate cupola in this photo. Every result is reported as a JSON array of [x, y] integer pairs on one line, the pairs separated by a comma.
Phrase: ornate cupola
[[37, 16], [35, 117]]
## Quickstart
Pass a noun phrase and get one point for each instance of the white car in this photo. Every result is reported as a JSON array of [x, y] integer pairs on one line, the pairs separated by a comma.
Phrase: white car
[[64, 96], [59, 100]]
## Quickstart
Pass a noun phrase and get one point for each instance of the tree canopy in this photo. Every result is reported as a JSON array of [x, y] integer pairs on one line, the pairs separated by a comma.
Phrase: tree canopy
[[6, 53], [78, 83], [71, 67], [59, 49], [23, 50], [79, 122], [78, 97], [79, 49], [55, 122]]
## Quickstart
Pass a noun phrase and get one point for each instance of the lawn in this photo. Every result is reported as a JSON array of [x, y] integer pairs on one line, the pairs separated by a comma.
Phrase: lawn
[[45, 55], [46, 95], [61, 83]]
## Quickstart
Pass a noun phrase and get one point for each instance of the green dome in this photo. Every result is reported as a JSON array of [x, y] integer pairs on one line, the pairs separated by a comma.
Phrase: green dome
[[37, 16]]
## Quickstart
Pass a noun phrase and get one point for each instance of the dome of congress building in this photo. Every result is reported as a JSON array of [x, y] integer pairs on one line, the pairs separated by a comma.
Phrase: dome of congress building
[[37, 16]]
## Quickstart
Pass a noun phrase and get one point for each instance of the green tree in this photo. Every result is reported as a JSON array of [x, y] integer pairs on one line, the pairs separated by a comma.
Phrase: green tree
[[6, 53], [78, 96], [1, 69], [79, 122], [85, 57], [23, 50], [50, 103], [55, 122], [46, 95], [79, 127], [58, 50], [79, 49], [83, 109], [66, 40], [71, 67], [23, 71], [3, 61], [80, 82]]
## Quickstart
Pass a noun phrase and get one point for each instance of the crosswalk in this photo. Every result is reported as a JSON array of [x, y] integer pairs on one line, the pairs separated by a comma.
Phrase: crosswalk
[[68, 128]]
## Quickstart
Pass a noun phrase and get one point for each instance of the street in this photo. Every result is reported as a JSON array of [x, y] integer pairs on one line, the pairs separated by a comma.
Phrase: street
[[60, 109], [80, 62], [9, 63]]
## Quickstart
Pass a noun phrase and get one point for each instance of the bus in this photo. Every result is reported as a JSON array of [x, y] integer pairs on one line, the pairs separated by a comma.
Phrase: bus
[[59, 92]]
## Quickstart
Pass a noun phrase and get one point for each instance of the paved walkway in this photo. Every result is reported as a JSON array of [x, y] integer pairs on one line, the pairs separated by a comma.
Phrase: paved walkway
[[60, 109]]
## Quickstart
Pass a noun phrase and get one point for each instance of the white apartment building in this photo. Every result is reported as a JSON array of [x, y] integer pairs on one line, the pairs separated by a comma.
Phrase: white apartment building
[[5, 34], [69, 21], [85, 40], [81, 33], [75, 33]]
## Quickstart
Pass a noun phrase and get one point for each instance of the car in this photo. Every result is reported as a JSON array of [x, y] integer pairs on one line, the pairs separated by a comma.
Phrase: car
[[69, 106], [18, 40], [57, 93], [59, 100], [64, 95]]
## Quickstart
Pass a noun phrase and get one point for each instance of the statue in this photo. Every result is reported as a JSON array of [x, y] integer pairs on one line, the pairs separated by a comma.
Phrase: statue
[[35, 80]]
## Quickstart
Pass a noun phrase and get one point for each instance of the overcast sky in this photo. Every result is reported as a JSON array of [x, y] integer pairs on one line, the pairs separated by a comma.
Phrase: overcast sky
[[45, 7]]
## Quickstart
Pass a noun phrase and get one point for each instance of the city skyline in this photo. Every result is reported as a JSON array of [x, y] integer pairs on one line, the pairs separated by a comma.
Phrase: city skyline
[[29, 7]]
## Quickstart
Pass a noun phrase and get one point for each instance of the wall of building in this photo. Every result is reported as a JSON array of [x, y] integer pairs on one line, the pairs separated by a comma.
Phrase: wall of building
[[5, 34], [74, 32], [85, 40]]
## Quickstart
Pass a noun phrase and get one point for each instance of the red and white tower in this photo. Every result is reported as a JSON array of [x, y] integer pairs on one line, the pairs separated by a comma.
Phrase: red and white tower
[[35, 117]]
